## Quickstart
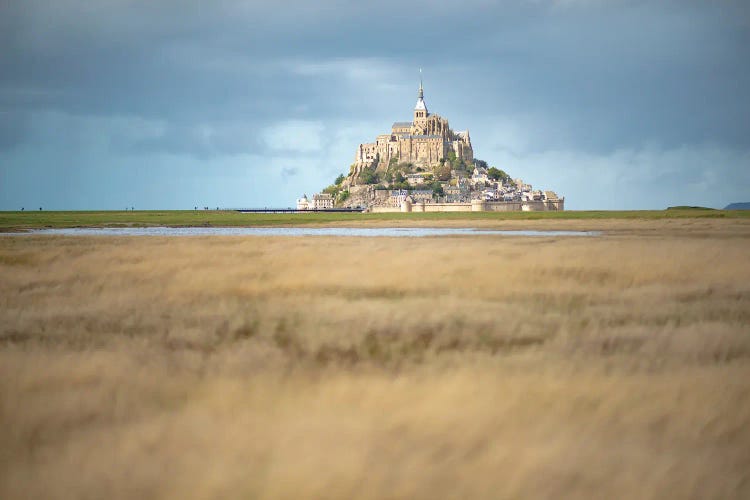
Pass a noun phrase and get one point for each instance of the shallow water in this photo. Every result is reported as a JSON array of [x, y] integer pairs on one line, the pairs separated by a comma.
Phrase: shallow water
[[298, 231]]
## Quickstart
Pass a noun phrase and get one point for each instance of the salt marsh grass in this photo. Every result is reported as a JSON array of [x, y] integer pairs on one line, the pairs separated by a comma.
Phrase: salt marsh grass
[[320, 367], [10, 221]]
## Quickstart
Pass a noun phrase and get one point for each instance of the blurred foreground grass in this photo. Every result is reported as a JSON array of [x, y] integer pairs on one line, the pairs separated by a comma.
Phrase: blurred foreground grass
[[318, 367]]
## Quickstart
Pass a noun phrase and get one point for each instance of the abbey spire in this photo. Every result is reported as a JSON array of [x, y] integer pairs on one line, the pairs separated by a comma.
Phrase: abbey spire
[[420, 109]]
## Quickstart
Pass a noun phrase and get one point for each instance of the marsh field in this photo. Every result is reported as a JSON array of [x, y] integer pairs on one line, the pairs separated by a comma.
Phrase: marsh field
[[11, 221], [615, 366]]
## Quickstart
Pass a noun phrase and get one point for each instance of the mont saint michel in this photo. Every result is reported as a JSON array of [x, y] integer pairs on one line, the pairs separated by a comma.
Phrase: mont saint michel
[[424, 165], [424, 142]]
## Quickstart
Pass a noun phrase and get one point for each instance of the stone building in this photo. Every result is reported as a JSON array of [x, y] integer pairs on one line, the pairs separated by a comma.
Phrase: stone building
[[424, 141], [303, 203], [321, 201]]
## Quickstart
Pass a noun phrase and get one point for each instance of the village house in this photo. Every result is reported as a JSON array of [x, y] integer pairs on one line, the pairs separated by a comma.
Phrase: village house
[[457, 194], [479, 177], [397, 197], [416, 179], [321, 201], [422, 195]]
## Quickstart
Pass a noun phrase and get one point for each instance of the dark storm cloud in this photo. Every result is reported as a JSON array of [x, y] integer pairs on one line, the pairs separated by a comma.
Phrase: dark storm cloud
[[183, 78], [611, 72]]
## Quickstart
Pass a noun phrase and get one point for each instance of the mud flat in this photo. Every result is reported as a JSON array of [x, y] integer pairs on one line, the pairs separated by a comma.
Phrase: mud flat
[[328, 367]]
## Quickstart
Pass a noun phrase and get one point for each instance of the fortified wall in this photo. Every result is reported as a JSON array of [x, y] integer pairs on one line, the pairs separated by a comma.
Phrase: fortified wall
[[476, 206]]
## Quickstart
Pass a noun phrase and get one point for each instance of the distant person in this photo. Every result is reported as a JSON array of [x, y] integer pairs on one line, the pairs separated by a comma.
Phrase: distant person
[[40, 209], [21, 209]]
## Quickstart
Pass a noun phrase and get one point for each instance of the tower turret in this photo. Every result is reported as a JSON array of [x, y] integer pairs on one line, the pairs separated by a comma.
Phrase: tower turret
[[420, 109]]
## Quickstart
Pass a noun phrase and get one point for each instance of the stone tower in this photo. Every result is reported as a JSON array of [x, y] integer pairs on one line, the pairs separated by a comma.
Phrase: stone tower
[[420, 109]]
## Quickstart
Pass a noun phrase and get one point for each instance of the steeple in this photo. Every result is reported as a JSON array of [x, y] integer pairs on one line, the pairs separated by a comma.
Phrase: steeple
[[420, 110]]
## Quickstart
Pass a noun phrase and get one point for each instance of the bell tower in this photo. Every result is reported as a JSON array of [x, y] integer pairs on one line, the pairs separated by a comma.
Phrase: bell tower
[[420, 109]]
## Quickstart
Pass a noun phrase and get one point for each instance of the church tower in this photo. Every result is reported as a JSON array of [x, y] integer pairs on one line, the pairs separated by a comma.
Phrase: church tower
[[420, 110]]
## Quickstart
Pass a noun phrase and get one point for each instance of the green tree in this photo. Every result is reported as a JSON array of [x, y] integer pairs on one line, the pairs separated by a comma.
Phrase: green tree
[[369, 176], [332, 190], [339, 179], [497, 175], [480, 163]]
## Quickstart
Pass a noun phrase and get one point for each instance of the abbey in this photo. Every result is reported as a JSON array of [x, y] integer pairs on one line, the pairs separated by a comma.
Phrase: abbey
[[423, 142], [424, 166]]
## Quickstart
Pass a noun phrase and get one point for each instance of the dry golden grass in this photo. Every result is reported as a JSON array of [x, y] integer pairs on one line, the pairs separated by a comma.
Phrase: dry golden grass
[[467, 367]]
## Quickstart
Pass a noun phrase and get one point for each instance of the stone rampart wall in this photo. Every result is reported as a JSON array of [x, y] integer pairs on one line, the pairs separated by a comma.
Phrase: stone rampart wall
[[478, 206], [525, 206], [447, 207], [384, 210]]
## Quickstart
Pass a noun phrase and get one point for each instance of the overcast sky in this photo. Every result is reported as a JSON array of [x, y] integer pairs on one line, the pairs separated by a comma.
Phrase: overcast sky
[[110, 104]]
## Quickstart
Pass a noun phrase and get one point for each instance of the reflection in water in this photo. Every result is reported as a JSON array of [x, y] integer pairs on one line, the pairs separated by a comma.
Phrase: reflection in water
[[299, 231]]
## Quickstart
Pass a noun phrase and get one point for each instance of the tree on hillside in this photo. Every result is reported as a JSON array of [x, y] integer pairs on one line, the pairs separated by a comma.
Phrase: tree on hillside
[[480, 163], [497, 175], [368, 176], [339, 179], [332, 190], [437, 190], [443, 172]]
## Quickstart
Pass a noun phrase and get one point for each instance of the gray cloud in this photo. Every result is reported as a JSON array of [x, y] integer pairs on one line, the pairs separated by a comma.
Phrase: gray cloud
[[297, 85]]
